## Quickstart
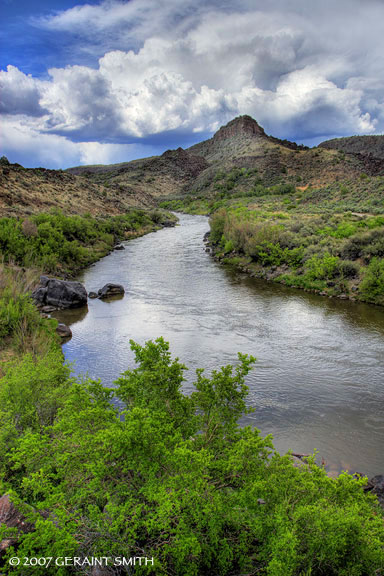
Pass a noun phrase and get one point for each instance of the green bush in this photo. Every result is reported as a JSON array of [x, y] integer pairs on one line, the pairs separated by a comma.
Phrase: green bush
[[21, 326], [174, 477], [60, 243], [348, 269], [228, 247], [372, 285], [217, 222], [322, 267]]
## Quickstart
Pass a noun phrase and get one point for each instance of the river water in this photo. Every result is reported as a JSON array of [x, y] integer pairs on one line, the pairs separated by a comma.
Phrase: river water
[[319, 379]]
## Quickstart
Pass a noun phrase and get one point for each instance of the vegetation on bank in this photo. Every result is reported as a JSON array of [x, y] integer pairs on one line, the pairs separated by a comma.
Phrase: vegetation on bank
[[175, 479], [329, 240], [337, 255], [22, 329], [61, 244]]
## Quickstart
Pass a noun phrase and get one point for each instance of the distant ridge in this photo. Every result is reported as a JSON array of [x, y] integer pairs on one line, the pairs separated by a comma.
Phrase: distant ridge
[[369, 149], [239, 157], [242, 144]]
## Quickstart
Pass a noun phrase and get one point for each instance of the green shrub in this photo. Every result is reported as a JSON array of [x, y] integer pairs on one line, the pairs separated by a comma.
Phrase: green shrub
[[175, 478], [60, 243], [322, 267], [228, 247], [372, 285], [217, 222]]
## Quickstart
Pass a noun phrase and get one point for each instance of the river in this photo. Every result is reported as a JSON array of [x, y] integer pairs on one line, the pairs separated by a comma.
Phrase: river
[[319, 379]]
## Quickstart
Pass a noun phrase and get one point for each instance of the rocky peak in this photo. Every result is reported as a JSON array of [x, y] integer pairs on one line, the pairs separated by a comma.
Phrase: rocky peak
[[240, 126]]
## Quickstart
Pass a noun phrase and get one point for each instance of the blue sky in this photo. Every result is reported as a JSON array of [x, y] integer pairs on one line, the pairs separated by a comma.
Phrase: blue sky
[[25, 44], [109, 80]]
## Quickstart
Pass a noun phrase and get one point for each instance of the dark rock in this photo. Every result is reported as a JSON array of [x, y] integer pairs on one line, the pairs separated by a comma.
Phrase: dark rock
[[119, 247], [12, 518], [378, 487], [168, 223], [92, 295], [64, 331], [298, 462], [39, 296], [110, 290], [300, 455], [60, 293]]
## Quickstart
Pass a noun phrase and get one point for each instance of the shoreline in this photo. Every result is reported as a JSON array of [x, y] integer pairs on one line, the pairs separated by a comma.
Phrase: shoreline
[[246, 265]]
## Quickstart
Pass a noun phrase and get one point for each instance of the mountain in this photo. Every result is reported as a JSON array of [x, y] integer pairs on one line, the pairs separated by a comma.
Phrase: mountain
[[368, 149], [240, 145], [238, 158]]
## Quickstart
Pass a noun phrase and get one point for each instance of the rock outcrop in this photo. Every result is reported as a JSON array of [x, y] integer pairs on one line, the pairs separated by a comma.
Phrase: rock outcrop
[[59, 293], [110, 290], [241, 126], [11, 517]]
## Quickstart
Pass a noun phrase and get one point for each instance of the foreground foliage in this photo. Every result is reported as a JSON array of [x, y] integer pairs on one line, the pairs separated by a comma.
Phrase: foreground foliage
[[172, 476]]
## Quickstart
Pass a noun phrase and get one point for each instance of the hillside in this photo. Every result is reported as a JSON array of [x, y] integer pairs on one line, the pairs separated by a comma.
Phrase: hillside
[[238, 160], [368, 149], [240, 145], [168, 174], [25, 191]]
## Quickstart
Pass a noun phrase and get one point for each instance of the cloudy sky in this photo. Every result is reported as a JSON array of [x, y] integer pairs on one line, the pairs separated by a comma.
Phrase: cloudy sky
[[111, 80]]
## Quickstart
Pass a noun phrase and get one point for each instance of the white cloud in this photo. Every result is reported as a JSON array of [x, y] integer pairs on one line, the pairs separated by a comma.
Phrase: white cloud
[[23, 142], [19, 93], [308, 70]]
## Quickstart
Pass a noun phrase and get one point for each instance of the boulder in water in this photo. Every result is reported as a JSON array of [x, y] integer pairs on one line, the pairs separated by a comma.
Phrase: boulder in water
[[110, 290], [59, 293], [64, 331]]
